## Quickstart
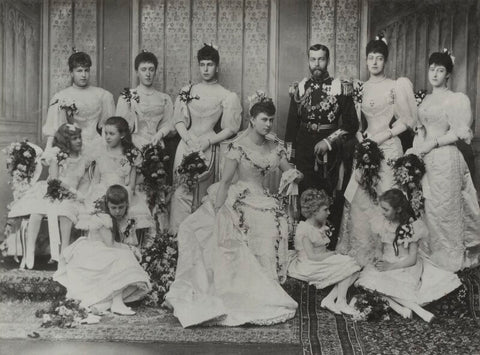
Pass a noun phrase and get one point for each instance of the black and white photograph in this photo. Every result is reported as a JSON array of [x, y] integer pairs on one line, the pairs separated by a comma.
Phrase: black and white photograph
[[239, 177]]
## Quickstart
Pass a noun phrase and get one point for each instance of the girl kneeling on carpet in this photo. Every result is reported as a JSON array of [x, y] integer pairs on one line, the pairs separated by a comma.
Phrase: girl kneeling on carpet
[[312, 261], [408, 277], [98, 270]]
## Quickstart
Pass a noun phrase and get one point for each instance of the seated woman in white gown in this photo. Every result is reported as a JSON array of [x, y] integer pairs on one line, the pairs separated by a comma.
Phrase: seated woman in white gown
[[233, 249], [98, 270]]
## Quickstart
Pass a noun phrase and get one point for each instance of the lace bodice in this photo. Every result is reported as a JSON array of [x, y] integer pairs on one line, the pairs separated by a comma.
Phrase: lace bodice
[[386, 99], [113, 169], [445, 111], [151, 114], [94, 105], [254, 165], [71, 170], [214, 101], [316, 235]]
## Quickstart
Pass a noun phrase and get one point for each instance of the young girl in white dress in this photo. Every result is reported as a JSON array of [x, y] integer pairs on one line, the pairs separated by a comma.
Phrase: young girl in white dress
[[149, 112], [98, 270], [67, 164], [408, 278], [452, 213], [313, 262], [383, 100], [117, 165]]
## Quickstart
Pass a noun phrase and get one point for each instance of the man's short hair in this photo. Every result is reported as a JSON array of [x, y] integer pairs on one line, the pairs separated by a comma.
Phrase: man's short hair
[[317, 47]]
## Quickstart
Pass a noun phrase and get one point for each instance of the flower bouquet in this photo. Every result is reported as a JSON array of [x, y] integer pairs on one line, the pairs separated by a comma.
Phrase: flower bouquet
[[408, 172], [154, 171], [372, 307], [21, 164], [63, 314], [57, 191], [191, 167], [70, 108], [358, 93], [130, 95], [420, 96], [368, 158], [134, 156], [160, 260], [185, 94]]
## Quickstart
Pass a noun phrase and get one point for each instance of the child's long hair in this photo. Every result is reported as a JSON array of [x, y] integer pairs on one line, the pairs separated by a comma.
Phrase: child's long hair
[[404, 213], [122, 126], [63, 137], [116, 194]]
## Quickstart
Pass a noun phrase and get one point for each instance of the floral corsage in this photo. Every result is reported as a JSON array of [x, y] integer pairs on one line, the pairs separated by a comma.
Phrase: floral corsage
[[185, 94], [368, 158], [130, 95], [57, 191]]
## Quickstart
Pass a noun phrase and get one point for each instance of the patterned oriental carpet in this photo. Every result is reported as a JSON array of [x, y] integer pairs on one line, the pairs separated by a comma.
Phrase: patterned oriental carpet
[[455, 330]]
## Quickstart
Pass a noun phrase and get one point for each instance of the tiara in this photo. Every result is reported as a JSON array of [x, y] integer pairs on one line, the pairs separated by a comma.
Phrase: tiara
[[211, 45], [450, 54], [381, 37], [257, 98]]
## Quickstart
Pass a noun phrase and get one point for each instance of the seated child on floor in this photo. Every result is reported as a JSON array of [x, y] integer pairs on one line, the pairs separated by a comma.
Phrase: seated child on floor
[[313, 262], [99, 270], [68, 166], [408, 278]]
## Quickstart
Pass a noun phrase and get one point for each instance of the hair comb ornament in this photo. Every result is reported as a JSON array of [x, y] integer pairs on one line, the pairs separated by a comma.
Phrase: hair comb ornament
[[257, 98], [381, 37], [74, 50], [211, 45], [71, 127], [144, 50], [446, 51]]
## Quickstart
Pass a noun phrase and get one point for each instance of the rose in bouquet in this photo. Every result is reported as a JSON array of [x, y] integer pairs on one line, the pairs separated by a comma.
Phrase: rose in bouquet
[[21, 164], [192, 165], [368, 158], [371, 306], [63, 314], [57, 191]]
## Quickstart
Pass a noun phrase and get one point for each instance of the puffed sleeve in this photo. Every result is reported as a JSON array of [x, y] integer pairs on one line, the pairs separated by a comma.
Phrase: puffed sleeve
[[459, 116], [124, 110], [420, 231], [108, 107], [233, 153], [405, 106], [232, 112], [166, 124], [55, 117]]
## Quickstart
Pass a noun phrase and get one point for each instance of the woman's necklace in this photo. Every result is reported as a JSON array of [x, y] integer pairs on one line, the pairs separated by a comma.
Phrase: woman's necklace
[[146, 93]]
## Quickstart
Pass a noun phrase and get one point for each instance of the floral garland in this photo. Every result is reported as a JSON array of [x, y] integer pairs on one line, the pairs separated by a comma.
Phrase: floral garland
[[130, 96], [21, 165], [408, 172], [372, 307], [263, 169], [63, 314], [153, 169], [185, 94], [159, 260], [190, 168], [368, 157], [278, 213], [57, 191], [420, 96]]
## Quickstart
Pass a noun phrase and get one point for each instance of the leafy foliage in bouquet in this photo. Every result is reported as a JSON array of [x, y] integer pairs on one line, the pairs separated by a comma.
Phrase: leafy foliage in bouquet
[[69, 106], [420, 96], [185, 94], [408, 172], [368, 158], [191, 167], [57, 191], [21, 165], [134, 156], [154, 171], [130, 95], [372, 307], [159, 260], [65, 313]]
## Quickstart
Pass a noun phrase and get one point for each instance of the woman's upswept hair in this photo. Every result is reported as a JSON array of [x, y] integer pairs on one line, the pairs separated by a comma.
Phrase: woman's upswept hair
[[63, 137], [443, 59], [124, 130], [266, 107], [312, 200], [79, 59], [377, 46], [207, 52], [146, 57]]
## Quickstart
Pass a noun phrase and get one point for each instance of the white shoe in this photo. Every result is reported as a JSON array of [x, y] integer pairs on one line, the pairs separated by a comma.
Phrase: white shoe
[[330, 305]]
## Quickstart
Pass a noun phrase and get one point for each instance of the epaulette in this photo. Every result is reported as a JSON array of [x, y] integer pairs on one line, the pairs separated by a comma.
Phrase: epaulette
[[293, 88], [347, 87]]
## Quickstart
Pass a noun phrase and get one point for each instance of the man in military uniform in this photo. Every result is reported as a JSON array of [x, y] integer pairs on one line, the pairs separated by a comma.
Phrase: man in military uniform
[[321, 126]]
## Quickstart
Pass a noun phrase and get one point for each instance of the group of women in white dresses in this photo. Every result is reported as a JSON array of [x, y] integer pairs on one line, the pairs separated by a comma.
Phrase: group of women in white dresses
[[233, 250]]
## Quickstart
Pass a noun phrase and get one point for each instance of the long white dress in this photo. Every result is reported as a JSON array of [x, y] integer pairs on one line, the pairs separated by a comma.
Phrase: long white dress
[[329, 271], [153, 113], [381, 102], [214, 103], [231, 265], [93, 272], [452, 213], [94, 106], [421, 283]]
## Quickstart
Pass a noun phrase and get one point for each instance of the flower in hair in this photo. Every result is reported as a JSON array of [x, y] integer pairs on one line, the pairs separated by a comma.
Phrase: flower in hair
[[211, 45], [74, 50], [381, 37], [445, 50], [257, 98]]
